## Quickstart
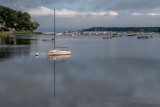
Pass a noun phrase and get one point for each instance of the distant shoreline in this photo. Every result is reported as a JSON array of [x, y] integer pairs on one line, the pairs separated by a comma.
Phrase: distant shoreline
[[124, 29]]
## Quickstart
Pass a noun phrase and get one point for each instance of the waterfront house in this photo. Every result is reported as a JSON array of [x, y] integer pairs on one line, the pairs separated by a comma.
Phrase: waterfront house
[[2, 23]]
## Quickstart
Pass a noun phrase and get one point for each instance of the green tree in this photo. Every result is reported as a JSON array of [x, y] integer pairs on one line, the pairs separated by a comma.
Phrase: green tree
[[17, 19], [1, 18], [35, 25]]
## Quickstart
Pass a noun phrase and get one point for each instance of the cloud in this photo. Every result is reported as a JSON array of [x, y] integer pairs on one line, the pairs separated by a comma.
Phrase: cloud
[[43, 11], [148, 14], [108, 13], [154, 14], [85, 8], [136, 14], [75, 22], [34, 3], [89, 5], [122, 5]]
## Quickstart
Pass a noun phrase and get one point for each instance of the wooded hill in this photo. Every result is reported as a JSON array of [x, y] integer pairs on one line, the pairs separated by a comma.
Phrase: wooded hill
[[20, 21], [134, 29]]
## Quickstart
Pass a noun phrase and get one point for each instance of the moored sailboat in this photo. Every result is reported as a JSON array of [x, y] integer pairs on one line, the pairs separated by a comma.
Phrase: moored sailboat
[[55, 52]]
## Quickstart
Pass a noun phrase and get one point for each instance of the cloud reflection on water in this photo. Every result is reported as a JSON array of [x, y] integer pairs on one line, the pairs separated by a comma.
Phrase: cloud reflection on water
[[91, 77]]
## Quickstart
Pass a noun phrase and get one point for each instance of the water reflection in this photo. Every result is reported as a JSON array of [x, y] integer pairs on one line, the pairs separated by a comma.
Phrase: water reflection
[[58, 57], [55, 58], [14, 46], [15, 40], [123, 72]]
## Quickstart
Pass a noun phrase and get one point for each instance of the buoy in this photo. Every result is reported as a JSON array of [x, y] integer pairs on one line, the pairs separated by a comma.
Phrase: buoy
[[37, 54]]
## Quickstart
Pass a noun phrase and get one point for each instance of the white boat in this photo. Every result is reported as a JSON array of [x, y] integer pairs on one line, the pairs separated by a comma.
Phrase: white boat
[[58, 34], [56, 52], [48, 33], [74, 34]]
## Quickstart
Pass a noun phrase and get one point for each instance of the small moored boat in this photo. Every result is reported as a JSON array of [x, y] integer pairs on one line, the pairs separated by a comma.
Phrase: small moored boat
[[144, 37], [116, 35], [55, 52], [47, 40], [107, 37]]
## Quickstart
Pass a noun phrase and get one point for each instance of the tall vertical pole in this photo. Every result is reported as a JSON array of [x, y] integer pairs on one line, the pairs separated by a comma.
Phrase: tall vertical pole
[[81, 28], [54, 28]]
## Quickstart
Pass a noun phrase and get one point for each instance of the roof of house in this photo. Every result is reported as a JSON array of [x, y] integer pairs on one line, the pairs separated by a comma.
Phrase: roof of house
[[1, 21]]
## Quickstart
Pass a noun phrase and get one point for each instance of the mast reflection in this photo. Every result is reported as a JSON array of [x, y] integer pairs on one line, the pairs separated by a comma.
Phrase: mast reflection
[[55, 59]]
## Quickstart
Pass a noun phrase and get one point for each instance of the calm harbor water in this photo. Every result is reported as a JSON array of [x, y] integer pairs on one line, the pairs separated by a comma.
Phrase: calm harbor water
[[119, 72]]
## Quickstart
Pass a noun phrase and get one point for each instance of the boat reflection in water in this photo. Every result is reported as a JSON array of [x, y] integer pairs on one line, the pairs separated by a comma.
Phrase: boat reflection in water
[[58, 57]]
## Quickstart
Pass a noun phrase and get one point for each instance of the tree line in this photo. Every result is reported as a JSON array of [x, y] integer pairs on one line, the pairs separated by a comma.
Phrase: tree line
[[20, 21], [136, 29]]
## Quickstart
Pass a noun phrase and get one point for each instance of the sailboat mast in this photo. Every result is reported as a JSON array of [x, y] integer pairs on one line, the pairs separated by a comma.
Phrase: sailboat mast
[[54, 28]]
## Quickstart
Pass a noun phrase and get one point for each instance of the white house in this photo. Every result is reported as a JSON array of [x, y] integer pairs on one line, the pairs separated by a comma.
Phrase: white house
[[2, 24]]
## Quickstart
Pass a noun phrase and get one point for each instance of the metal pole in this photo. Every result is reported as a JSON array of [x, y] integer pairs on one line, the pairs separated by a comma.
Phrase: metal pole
[[54, 29]]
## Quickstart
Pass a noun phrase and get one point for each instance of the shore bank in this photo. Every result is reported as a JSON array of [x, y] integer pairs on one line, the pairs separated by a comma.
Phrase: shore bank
[[28, 32], [11, 32], [4, 35]]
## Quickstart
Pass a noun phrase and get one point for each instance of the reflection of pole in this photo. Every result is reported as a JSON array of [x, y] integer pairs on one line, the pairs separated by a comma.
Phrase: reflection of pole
[[15, 42], [54, 80]]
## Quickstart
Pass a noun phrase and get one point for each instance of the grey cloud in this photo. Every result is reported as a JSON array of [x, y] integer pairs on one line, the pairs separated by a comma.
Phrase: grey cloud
[[124, 7], [34, 3], [124, 4], [7, 1], [89, 5], [74, 23]]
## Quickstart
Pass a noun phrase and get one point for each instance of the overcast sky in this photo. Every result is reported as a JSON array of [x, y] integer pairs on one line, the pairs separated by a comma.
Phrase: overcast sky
[[72, 14]]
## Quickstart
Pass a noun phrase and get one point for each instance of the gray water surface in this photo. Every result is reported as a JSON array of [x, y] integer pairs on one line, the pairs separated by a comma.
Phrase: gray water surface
[[119, 72]]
